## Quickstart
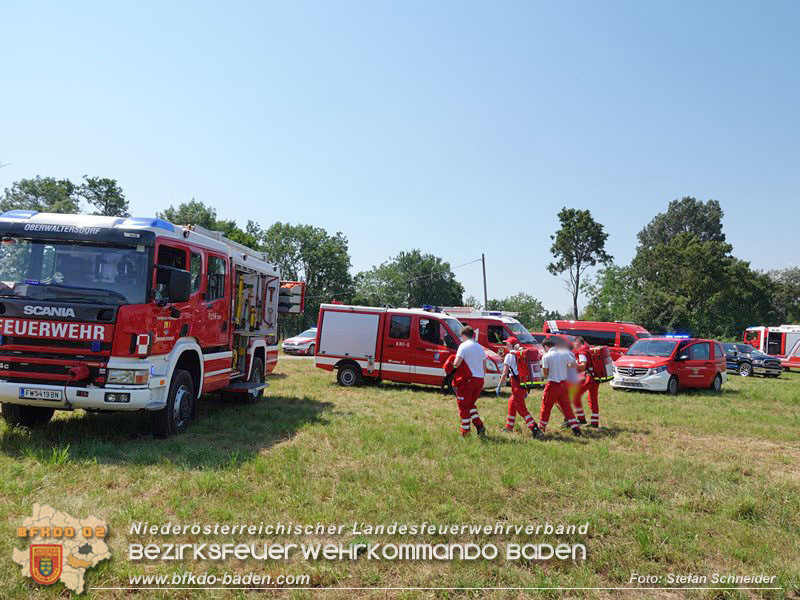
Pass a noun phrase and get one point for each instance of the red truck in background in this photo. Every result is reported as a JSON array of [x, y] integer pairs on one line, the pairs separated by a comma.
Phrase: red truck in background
[[493, 327], [618, 336], [129, 314], [782, 341], [394, 344]]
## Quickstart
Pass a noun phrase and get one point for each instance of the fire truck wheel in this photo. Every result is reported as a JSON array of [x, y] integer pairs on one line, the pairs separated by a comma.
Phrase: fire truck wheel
[[745, 369], [177, 414], [349, 375], [256, 376], [716, 385], [672, 385], [26, 416]]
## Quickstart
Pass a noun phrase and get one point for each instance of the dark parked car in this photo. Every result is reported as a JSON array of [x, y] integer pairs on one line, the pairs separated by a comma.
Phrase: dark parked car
[[746, 361]]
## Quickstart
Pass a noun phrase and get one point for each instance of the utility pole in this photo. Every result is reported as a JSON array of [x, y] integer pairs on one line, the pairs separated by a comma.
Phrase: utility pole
[[485, 295]]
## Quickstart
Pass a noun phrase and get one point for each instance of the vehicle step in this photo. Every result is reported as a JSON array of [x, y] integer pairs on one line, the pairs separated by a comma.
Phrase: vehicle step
[[244, 388]]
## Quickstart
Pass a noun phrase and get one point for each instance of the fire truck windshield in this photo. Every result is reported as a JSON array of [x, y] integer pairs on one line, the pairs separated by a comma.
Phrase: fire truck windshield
[[73, 271], [522, 334], [455, 326]]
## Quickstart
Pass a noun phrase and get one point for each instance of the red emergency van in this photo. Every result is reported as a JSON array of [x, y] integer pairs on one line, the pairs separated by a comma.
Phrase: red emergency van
[[782, 341], [666, 364], [493, 327], [395, 344], [618, 336]]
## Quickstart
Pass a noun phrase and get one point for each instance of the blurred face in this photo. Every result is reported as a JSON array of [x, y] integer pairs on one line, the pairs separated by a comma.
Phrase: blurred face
[[509, 346]]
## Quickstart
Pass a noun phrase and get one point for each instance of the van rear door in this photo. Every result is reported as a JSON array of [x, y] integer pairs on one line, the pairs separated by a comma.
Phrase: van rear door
[[347, 334]]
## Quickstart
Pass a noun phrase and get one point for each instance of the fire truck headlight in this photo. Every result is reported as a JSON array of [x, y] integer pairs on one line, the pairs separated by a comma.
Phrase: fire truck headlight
[[128, 376], [658, 370]]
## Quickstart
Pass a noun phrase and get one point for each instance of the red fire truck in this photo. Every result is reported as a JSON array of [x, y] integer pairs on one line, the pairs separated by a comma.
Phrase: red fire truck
[[395, 344], [782, 341], [618, 336], [493, 327], [128, 314]]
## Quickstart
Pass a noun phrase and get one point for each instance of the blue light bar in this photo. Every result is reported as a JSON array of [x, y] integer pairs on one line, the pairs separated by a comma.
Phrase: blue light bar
[[680, 336], [19, 214], [149, 222]]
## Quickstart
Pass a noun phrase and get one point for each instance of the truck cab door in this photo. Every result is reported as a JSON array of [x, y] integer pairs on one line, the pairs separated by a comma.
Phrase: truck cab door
[[696, 368], [774, 343], [433, 345], [397, 362], [217, 303], [496, 338]]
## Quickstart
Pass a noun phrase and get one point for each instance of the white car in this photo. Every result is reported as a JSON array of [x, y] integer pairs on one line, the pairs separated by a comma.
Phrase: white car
[[303, 343]]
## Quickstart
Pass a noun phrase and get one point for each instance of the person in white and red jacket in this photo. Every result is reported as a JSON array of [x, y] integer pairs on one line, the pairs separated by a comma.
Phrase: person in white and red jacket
[[471, 354]]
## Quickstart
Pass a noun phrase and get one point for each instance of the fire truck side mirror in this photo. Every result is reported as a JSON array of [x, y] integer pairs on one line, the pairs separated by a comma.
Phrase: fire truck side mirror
[[178, 283]]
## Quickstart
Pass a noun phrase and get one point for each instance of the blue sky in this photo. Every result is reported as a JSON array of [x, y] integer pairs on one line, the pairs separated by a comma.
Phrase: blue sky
[[454, 127]]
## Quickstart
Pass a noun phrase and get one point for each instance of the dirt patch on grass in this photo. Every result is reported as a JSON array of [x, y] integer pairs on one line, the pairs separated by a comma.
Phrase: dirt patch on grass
[[776, 460]]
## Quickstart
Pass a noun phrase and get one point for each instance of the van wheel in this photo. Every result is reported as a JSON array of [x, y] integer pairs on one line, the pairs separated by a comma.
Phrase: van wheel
[[26, 416], [256, 376], [745, 369], [312, 350], [672, 385], [177, 414], [349, 375], [716, 385]]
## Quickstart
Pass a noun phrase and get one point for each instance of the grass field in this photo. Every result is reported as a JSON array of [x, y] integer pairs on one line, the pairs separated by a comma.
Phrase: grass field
[[698, 483]]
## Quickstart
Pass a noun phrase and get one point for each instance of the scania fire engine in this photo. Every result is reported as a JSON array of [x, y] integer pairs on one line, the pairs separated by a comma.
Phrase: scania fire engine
[[782, 341], [128, 314]]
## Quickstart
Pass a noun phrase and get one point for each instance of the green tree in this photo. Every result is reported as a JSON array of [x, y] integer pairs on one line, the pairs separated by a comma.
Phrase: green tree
[[473, 302], [310, 254], [43, 194], [104, 195], [531, 312], [687, 215], [577, 245], [610, 295], [786, 298], [193, 212], [696, 286], [409, 279]]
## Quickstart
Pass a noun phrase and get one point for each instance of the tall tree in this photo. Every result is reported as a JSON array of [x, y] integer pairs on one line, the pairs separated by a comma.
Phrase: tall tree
[[310, 254], [409, 279], [786, 299], [193, 212], [43, 194], [577, 245], [696, 286], [610, 295], [105, 195], [687, 215], [531, 312]]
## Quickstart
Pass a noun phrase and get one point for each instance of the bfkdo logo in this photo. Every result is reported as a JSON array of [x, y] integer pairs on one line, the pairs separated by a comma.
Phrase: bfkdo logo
[[46, 562], [61, 547]]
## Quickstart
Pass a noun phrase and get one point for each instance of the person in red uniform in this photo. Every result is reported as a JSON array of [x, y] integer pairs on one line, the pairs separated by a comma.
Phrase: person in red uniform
[[471, 354], [583, 354], [516, 402], [555, 365]]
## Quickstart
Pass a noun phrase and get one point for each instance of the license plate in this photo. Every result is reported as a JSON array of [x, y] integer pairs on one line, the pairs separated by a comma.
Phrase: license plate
[[39, 394], [631, 382]]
